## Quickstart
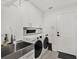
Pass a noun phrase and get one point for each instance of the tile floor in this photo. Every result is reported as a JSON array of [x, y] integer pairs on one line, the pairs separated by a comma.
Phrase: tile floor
[[50, 55], [55, 55]]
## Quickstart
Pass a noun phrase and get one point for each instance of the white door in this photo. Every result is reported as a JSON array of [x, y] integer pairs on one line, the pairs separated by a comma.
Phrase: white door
[[66, 26]]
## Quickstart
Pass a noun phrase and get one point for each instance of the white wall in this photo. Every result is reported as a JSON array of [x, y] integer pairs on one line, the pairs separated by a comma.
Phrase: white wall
[[64, 21], [15, 18], [50, 25]]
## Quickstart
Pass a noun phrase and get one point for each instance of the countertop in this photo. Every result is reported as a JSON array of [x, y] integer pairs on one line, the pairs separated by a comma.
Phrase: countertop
[[19, 53]]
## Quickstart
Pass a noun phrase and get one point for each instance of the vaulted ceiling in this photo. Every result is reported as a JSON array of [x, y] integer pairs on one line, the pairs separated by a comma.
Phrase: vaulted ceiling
[[45, 5]]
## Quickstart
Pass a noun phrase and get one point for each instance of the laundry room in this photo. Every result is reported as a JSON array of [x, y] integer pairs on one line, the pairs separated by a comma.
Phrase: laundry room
[[38, 29]]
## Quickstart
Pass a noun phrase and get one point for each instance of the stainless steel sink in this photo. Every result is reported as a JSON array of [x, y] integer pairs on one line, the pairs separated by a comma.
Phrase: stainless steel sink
[[20, 47]]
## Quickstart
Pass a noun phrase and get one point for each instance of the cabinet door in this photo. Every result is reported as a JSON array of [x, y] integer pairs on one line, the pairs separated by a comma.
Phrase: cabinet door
[[21, 57], [29, 55]]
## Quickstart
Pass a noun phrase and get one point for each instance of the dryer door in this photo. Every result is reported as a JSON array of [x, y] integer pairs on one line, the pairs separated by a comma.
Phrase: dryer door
[[45, 42], [38, 48]]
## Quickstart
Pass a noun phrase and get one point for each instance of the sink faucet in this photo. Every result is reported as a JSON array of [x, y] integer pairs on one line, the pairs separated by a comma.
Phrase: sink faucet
[[12, 39], [15, 46], [14, 42]]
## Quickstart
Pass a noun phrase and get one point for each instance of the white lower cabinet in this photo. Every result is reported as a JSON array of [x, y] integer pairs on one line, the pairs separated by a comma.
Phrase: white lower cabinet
[[29, 55]]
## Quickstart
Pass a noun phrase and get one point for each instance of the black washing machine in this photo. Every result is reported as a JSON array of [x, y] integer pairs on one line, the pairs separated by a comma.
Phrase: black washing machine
[[45, 43], [38, 48]]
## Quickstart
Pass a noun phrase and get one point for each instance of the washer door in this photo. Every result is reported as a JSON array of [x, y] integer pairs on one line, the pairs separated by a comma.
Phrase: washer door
[[38, 48], [45, 42]]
